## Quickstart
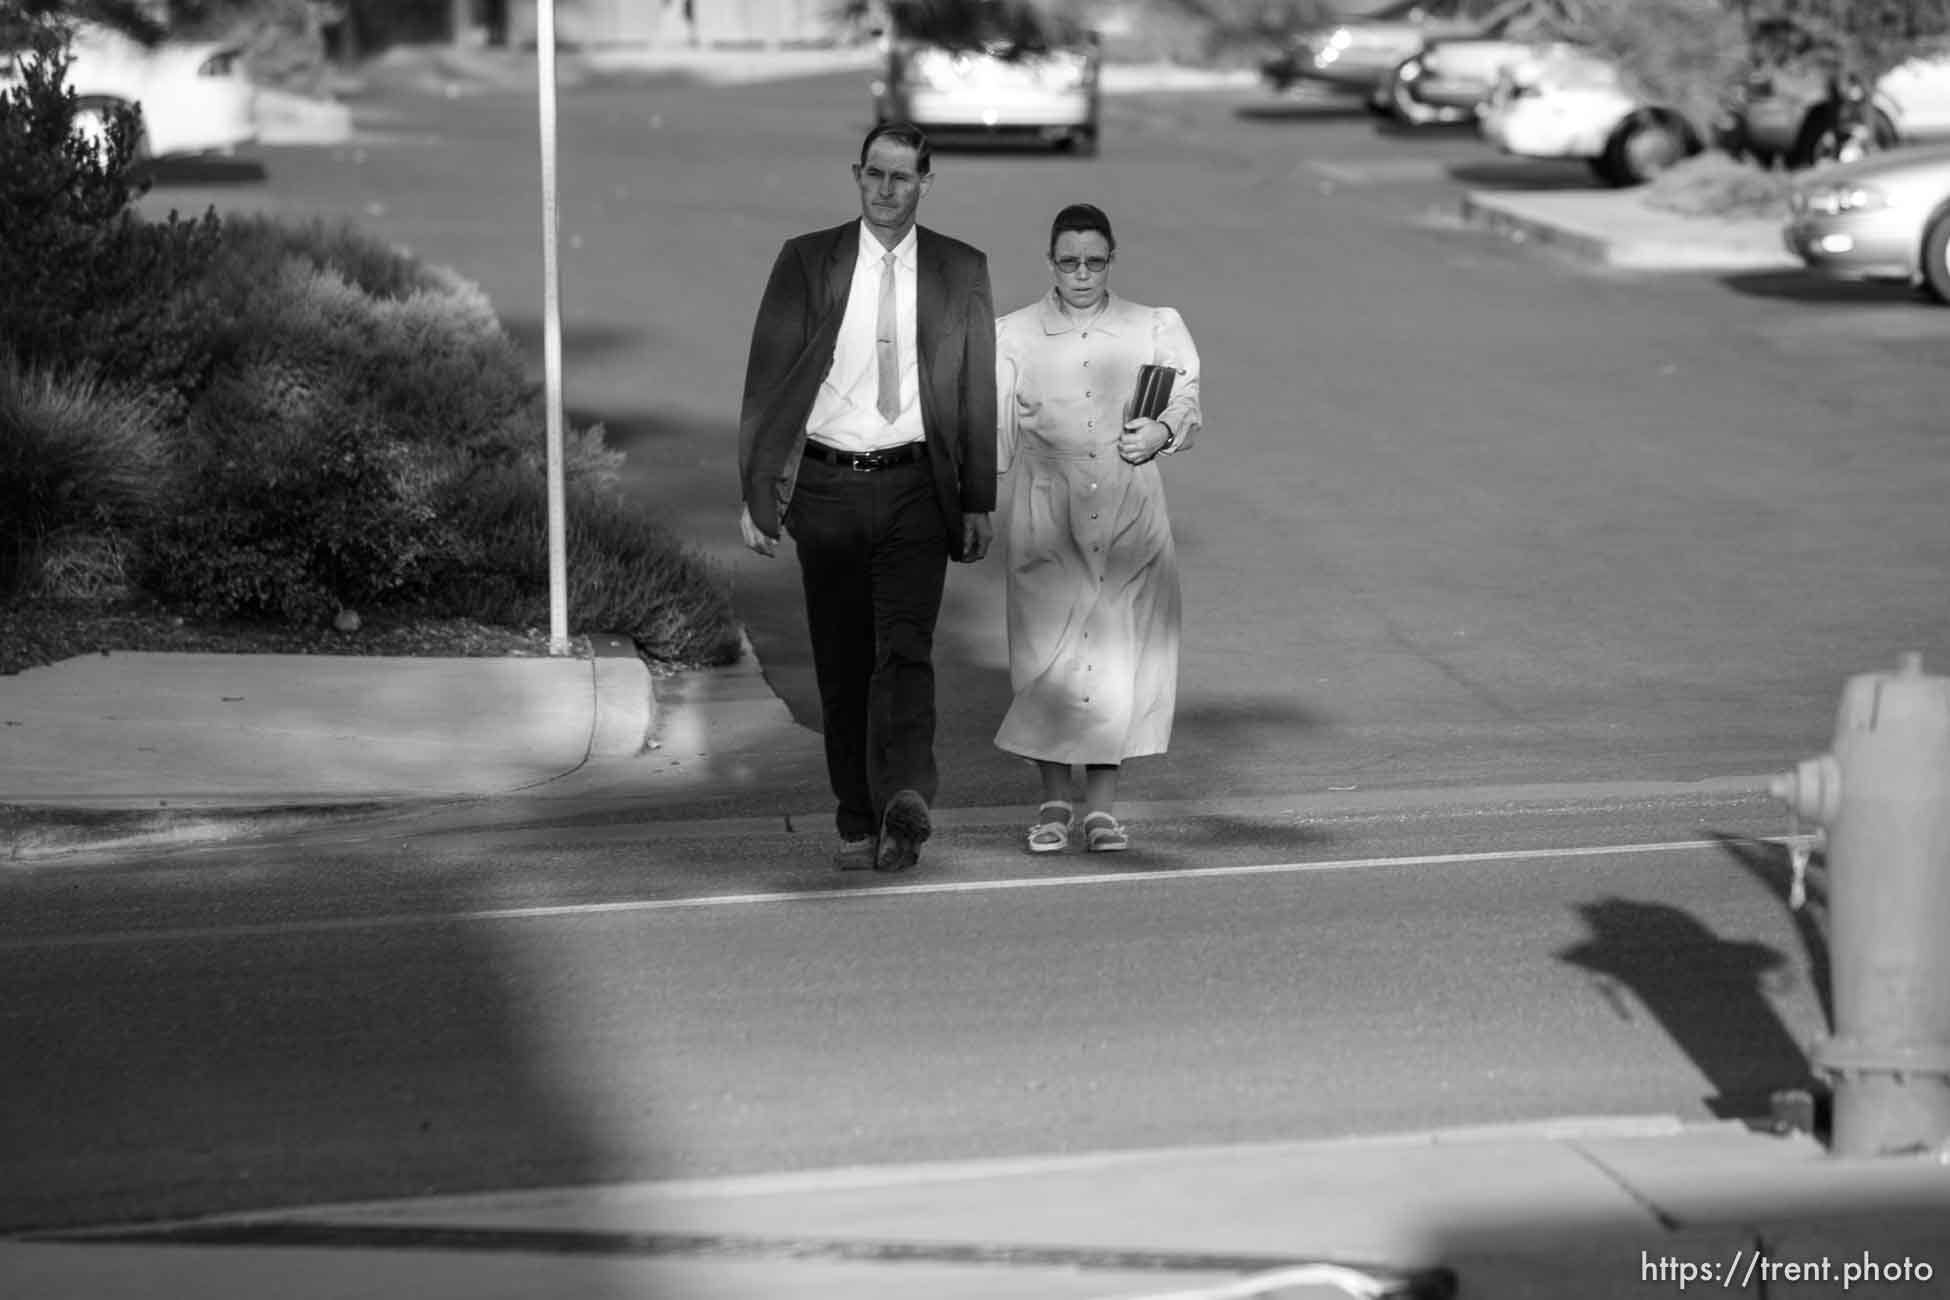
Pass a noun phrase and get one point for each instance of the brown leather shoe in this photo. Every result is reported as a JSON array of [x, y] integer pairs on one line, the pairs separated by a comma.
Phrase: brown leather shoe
[[904, 828]]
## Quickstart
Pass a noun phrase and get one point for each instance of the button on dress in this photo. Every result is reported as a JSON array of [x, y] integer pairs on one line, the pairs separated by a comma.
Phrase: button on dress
[[1093, 598]]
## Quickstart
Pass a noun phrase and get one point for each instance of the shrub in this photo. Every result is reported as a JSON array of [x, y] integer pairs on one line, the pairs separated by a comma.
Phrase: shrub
[[433, 368], [627, 573], [294, 518], [255, 248], [1716, 184], [77, 457], [87, 281]]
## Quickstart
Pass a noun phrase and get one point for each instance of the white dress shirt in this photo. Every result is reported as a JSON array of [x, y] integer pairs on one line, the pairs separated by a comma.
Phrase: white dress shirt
[[846, 414]]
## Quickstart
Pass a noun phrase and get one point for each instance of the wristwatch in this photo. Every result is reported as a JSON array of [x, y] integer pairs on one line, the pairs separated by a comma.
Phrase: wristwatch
[[1171, 440]]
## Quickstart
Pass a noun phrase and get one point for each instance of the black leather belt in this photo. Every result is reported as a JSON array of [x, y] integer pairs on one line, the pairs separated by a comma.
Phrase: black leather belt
[[866, 461]]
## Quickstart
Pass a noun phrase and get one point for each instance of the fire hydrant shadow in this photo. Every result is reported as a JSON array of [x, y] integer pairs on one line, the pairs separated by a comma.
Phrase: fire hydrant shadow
[[1710, 994], [1770, 864]]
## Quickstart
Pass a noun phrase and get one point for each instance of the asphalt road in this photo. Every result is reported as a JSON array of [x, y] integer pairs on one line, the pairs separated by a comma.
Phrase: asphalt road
[[477, 1010], [1464, 514]]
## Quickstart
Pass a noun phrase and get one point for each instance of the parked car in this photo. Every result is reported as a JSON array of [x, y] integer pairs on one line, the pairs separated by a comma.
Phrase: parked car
[[1574, 103], [1570, 102], [1883, 217], [1359, 53], [1448, 79], [997, 68], [194, 95]]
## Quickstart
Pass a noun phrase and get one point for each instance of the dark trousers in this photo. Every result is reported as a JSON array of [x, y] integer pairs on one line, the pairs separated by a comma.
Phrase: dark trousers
[[873, 554]]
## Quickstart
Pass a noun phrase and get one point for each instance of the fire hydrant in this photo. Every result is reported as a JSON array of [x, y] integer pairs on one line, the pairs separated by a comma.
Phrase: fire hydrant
[[1882, 794]]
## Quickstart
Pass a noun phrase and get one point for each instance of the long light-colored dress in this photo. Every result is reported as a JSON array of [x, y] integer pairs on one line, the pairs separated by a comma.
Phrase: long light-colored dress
[[1094, 611]]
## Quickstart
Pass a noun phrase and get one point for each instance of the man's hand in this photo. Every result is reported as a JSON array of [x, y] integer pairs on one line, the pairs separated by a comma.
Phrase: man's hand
[[1141, 440], [759, 542], [976, 534]]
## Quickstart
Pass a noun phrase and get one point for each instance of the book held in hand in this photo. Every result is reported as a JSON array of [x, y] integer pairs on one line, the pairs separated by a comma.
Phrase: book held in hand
[[1153, 391]]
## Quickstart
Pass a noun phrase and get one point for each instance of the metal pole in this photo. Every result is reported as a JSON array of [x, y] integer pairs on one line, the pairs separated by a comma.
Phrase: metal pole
[[558, 563]]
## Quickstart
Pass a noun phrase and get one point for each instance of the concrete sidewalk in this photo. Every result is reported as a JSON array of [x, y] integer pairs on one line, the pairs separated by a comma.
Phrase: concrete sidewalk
[[141, 749], [1586, 1208], [1618, 228]]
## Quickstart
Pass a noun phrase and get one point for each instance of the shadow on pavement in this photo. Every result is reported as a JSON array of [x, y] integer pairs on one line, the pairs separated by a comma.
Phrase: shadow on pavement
[[1799, 286], [1303, 110], [1394, 129], [185, 1042], [1770, 864], [1522, 174], [948, 143], [1818, 1242], [1707, 992], [215, 170]]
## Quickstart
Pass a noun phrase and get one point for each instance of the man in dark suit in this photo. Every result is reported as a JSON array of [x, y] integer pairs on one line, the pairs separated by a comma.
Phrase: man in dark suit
[[868, 434]]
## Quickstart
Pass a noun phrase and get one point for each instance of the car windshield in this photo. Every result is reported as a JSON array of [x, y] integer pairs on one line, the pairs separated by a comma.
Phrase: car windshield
[[996, 26]]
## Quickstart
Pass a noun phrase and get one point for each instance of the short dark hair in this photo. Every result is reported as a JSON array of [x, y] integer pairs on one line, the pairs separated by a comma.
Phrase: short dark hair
[[901, 133], [1081, 217]]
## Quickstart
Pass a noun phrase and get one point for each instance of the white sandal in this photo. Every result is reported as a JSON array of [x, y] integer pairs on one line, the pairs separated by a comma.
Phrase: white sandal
[[1103, 834], [1049, 835]]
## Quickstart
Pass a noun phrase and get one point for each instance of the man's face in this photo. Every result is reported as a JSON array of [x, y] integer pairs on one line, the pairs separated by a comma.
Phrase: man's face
[[891, 186]]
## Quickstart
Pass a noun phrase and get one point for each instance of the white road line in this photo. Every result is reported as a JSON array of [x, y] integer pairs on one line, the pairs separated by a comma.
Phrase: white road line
[[338, 925]]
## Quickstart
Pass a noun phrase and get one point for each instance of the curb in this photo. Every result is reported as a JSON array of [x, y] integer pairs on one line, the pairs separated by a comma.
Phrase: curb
[[36, 835], [623, 717], [1696, 244], [625, 703]]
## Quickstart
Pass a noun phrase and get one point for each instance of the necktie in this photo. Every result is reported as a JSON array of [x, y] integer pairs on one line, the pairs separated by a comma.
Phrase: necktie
[[886, 336]]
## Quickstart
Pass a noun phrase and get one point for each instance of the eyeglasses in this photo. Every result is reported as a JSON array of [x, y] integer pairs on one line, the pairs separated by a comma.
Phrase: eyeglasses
[[1070, 265]]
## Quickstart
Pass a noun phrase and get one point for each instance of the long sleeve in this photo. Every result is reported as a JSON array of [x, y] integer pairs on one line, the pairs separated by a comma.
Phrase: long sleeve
[[978, 428], [1006, 429], [1171, 345], [778, 338]]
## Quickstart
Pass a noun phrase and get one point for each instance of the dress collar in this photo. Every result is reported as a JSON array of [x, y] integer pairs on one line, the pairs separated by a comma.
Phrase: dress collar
[[1110, 320]]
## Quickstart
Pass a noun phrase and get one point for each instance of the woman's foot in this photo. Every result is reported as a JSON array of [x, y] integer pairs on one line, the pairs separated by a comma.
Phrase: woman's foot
[[1051, 833], [1103, 834]]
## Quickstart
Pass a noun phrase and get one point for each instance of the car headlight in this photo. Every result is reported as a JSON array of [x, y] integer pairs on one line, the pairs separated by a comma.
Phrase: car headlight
[[1834, 200]]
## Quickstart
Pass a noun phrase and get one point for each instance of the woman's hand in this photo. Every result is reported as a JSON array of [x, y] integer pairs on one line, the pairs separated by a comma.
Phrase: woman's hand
[[1141, 440]]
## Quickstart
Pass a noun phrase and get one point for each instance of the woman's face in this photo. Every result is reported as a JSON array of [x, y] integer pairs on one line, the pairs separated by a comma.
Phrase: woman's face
[[1081, 264]]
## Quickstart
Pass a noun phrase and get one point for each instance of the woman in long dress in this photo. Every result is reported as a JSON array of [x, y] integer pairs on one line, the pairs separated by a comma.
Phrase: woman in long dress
[[1093, 596]]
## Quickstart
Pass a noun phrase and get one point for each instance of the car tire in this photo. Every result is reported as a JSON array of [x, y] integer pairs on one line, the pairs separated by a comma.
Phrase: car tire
[[1821, 139], [1406, 109], [1644, 145], [1601, 169], [1934, 258], [91, 117]]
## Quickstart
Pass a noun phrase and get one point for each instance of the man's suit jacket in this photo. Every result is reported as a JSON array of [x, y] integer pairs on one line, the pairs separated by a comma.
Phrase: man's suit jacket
[[792, 349]]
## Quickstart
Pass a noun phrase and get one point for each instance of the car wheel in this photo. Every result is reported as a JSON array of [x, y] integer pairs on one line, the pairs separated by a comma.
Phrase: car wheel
[[1647, 144], [1824, 139], [91, 119], [1935, 258], [1602, 170], [1406, 109]]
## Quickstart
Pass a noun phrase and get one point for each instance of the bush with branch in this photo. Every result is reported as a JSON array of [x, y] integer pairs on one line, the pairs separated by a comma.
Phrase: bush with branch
[[279, 421]]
